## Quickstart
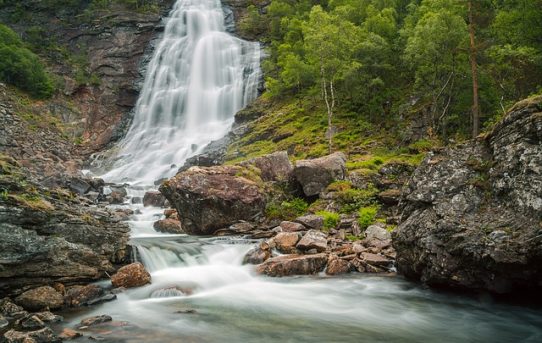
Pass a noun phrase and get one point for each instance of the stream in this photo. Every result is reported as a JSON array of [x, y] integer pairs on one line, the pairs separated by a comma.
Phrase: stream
[[198, 78]]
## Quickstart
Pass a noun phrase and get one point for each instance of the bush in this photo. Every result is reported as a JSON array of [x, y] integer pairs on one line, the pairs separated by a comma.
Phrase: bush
[[331, 219], [21, 67], [287, 210], [367, 216]]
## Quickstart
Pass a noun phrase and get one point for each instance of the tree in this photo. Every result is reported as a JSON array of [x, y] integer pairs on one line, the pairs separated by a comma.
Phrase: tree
[[474, 73]]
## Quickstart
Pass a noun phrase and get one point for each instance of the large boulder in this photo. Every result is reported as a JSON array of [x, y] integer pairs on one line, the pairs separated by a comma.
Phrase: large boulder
[[40, 298], [287, 265], [273, 167], [132, 275], [471, 214], [313, 239], [168, 225], [210, 198], [315, 175]]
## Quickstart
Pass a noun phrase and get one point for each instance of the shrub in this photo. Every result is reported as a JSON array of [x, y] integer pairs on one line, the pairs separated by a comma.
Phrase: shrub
[[331, 219], [367, 216], [287, 209]]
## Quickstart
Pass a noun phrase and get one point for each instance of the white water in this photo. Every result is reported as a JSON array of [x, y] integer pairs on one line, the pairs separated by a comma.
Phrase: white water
[[197, 79]]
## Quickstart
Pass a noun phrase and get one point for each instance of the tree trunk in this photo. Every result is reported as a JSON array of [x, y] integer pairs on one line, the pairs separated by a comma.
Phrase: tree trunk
[[328, 105], [473, 65]]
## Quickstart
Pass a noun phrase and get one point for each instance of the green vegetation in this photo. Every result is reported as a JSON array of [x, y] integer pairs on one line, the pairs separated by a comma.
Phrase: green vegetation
[[331, 219], [286, 210], [21, 67], [367, 216], [351, 199]]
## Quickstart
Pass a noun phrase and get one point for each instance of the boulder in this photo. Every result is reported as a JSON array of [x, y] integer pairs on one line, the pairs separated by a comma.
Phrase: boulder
[[287, 226], [337, 266], [86, 295], [287, 265], [315, 175], [9, 309], [471, 214], [312, 221], [132, 275], [257, 255], [69, 334], [285, 242], [273, 167], [313, 239], [375, 260], [44, 335], [91, 321], [211, 198], [377, 232], [44, 297], [168, 225], [153, 198]]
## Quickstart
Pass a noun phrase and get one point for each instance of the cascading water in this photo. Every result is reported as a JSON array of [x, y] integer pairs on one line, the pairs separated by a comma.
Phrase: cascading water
[[200, 291], [198, 78]]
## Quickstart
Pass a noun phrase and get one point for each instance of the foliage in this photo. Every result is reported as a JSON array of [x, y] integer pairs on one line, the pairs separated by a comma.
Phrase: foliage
[[21, 67], [331, 219], [367, 215], [287, 210]]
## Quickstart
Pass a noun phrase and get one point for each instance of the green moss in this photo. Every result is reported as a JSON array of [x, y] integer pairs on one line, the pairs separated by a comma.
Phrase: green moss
[[286, 210], [351, 199]]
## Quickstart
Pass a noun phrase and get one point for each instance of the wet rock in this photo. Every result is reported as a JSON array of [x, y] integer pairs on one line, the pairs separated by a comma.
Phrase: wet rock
[[286, 242], [137, 200], [79, 186], [32, 323], [91, 321], [471, 213], [82, 295], [132, 275], [257, 256], [287, 226], [312, 221], [49, 317], [273, 167], [313, 239], [287, 265], [315, 175], [45, 297], [337, 266], [153, 198], [69, 334], [210, 198], [171, 213], [10, 309], [168, 225], [44, 335]]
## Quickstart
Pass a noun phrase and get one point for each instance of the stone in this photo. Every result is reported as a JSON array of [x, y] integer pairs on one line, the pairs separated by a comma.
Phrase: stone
[[44, 335], [91, 321], [81, 295], [338, 266], [390, 197], [315, 175], [9, 309], [170, 212], [44, 297], [132, 275], [69, 334], [49, 317], [257, 255], [79, 185], [287, 265], [285, 242], [4, 323], [32, 323], [375, 260], [470, 214], [287, 226], [313, 239], [168, 225], [153, 198], [273, 167], [377, 232], [137, 200], [312, 221], [208, 199]]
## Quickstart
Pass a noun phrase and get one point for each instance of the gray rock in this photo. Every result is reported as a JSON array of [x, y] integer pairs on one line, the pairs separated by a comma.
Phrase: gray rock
[[273, 167], [312, 221], [315, 175], [313, 239], [377, 232], [287, 265]]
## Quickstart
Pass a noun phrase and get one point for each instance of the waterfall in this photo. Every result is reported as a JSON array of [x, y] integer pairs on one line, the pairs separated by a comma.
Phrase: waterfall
[[198, 78]]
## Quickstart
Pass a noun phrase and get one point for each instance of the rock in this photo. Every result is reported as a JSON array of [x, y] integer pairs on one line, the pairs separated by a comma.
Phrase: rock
[[312, 221], [137, 200], [313, 239], [257, 255], [315, 175], [82, 295], [79, 185], [49, 317], [286, 242], [390, 197], [287, 265], [168, 213], [32, 323], [377, 232], [471, 214], [91, 321], [168, 226], [375, 260], [44, 335], [274, 167], [132, 275], [210, 198], [115, 198], [45, 297], [287, 226], [9, 309], [236, 229], [69, 334], [338, 266], [4, 323], [153, 198]]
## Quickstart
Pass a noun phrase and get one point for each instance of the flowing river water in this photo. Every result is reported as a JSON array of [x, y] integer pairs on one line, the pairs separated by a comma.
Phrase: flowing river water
[[201, 292]]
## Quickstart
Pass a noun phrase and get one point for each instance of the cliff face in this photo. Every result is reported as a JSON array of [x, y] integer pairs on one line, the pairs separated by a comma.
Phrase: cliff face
[[471, 215]]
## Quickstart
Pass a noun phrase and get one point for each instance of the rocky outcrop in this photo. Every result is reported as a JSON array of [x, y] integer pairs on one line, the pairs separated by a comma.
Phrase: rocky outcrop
[[212, 198], [471, 214], [315, 175]]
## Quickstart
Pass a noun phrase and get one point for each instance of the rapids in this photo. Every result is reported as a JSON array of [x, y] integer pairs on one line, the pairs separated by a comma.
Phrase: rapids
[[201, 292]]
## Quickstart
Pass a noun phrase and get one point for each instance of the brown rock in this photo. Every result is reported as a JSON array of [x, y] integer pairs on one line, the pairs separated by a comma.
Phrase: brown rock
[[153, 198], [81, 295], [95, 320], [390, 197], [168, 225], [286, 265], [313, 239], [338, 266], [36, 299], [312, 221], [285, 242], [69, 334], [170, 212], [292, 227], [257, 255], [375, 260], [44, 335], [132, 275]]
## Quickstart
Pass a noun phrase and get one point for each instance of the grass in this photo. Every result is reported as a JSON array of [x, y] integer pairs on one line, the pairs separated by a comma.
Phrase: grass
[[286, 210], [331, 219]]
